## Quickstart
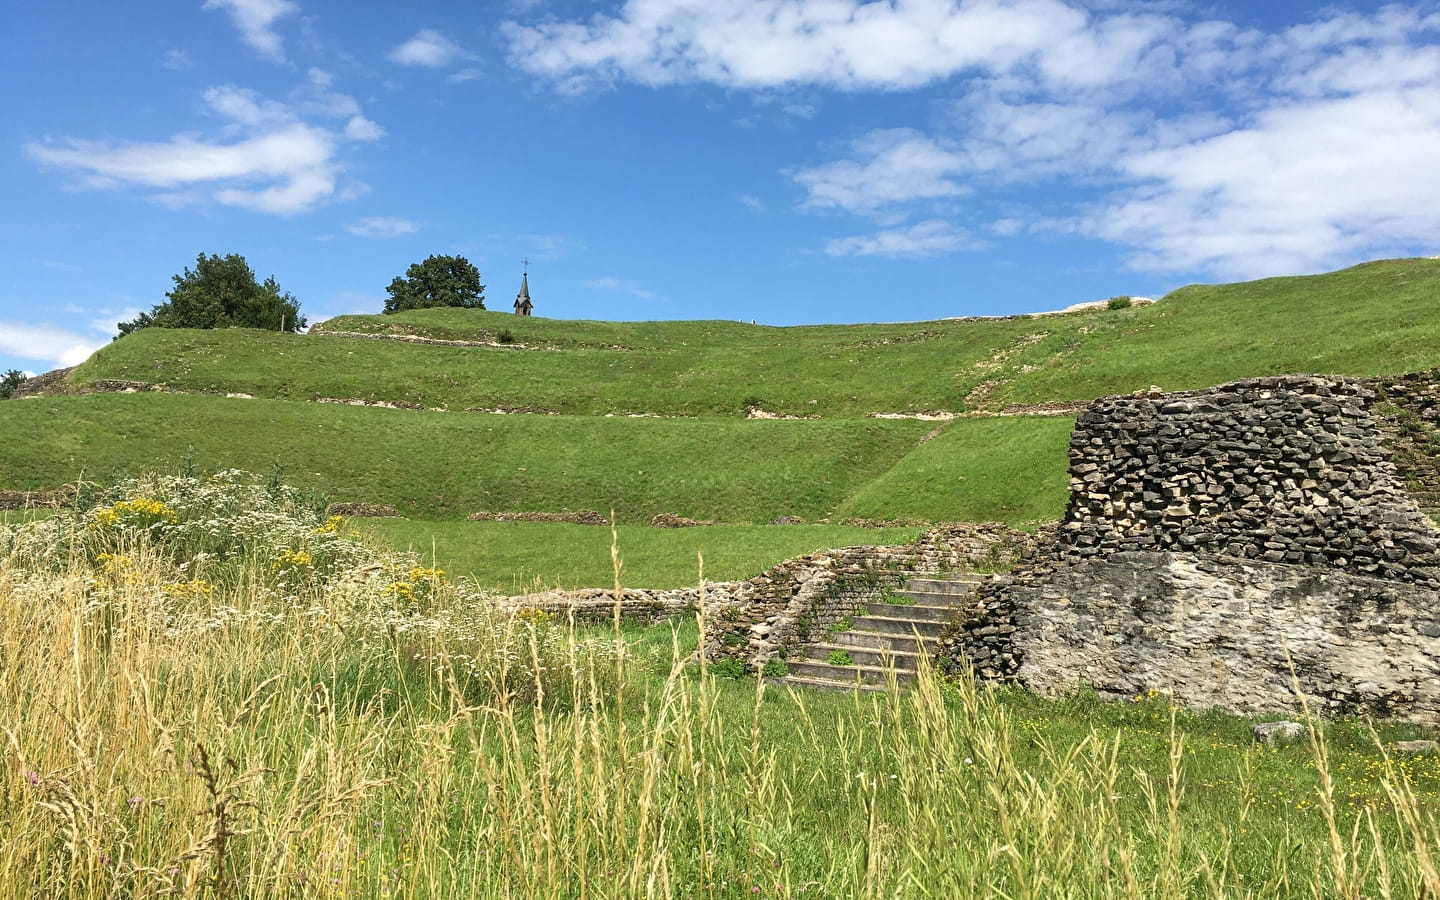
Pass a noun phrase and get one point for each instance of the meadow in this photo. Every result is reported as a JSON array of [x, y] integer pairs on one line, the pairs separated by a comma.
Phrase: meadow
[[1372, 319], [209, 690], [644, 418]]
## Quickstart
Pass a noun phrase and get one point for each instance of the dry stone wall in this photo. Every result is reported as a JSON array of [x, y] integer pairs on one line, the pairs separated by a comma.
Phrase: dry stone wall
[[1216, 539], [597, 606], [1409, 406], [1289, 469]]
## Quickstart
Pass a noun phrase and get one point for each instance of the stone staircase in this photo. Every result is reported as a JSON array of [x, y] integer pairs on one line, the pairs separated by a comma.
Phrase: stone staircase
[[885, 641]]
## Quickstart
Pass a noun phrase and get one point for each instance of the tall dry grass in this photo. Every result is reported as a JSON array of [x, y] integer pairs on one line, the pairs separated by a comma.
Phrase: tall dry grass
[[308, 742]]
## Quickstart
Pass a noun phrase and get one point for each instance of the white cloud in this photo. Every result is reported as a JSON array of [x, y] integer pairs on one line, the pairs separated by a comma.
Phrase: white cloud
[[255, 19], [550, 247], [266, 158], [470, 73], [297, 158], [360, 128], [895, 166], [1219, 150], [382, 227], [427, 48], [1306, 185], [932, 237], [608, 283], [107, 321], [177, 60], [244, 107], [847, 44], [49, 344]]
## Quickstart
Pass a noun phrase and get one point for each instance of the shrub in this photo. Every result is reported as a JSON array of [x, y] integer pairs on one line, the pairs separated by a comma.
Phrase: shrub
[[729, 667], [776, 668], [506, 336], [839, 658], [9, 382], [1118, 303]]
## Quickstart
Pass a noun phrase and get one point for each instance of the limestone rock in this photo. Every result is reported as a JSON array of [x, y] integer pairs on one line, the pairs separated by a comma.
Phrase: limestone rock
[[1277, 732]]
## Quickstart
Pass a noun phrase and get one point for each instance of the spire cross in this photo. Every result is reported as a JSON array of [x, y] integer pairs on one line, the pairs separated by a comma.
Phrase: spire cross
[[526, 263]]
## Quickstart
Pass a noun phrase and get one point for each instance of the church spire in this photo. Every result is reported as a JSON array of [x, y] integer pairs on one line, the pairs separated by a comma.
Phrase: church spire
[[522, 299]]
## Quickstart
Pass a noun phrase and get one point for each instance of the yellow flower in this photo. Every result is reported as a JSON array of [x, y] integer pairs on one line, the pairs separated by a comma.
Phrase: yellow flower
[[332, 525], [142, 511], [298, 559]]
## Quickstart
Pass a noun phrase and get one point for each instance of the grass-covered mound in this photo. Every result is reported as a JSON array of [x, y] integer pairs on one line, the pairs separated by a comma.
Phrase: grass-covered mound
[[1377, 318], [711, 464], [435, 465], [383, 731]]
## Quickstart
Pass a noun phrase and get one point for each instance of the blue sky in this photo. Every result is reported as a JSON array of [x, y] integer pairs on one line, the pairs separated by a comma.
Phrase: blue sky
[[788, 161]]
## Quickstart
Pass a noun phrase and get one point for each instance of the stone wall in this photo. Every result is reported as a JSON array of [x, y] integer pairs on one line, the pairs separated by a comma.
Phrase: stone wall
[[596, 606], [1235, 634], [1409, 408], [1289, 469], [1208, 534], [797, 601]]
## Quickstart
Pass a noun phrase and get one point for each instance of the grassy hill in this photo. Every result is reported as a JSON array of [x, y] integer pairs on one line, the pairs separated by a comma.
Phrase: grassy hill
[[693, 454], [1372, 319]]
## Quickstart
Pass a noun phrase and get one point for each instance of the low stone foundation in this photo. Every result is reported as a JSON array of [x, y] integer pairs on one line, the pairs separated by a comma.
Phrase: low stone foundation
[[1233, 633], [596, 606]]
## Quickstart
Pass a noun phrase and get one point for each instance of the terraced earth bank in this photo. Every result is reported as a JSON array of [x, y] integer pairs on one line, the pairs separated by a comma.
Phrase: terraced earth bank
[[902, 424]]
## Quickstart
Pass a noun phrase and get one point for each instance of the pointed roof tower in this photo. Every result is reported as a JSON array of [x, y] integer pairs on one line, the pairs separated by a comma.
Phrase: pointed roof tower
[[522, 299]]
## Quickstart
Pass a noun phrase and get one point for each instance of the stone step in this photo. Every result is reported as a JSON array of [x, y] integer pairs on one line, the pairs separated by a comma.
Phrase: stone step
[[896, 625], [916, 613], [869, 640], [955, 584], [822, 684], [866, 674], [935, 598], [902, 660]]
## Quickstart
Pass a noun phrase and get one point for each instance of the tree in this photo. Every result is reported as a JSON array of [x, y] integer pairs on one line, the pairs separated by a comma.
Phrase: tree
[[222, 292], [438, 281], [9, 382]]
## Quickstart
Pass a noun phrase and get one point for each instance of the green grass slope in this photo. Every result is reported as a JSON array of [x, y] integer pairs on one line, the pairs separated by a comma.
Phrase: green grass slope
[[439, 466], [523, 557], [977, 470], [836, 372], [1376, 318]]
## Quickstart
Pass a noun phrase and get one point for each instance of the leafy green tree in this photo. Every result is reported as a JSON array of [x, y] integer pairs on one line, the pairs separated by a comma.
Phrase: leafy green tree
[[221, 292], [438, 281], [9, 382]]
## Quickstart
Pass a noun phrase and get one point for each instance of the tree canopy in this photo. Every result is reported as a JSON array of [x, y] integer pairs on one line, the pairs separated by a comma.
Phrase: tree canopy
[[221, 292], [438, 281], [9, 382]]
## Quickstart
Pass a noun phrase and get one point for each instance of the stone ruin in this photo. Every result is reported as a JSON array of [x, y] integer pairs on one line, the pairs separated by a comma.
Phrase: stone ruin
[[1230, 547]]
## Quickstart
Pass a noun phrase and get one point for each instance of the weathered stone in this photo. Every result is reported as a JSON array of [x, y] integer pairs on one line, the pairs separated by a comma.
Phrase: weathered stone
[[1224, 550], [1277, 732]]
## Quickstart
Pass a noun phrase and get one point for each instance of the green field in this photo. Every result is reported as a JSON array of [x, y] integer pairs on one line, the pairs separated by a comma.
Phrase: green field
[[1378, 318], [651, 414], [524, 557], [194, 707]]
